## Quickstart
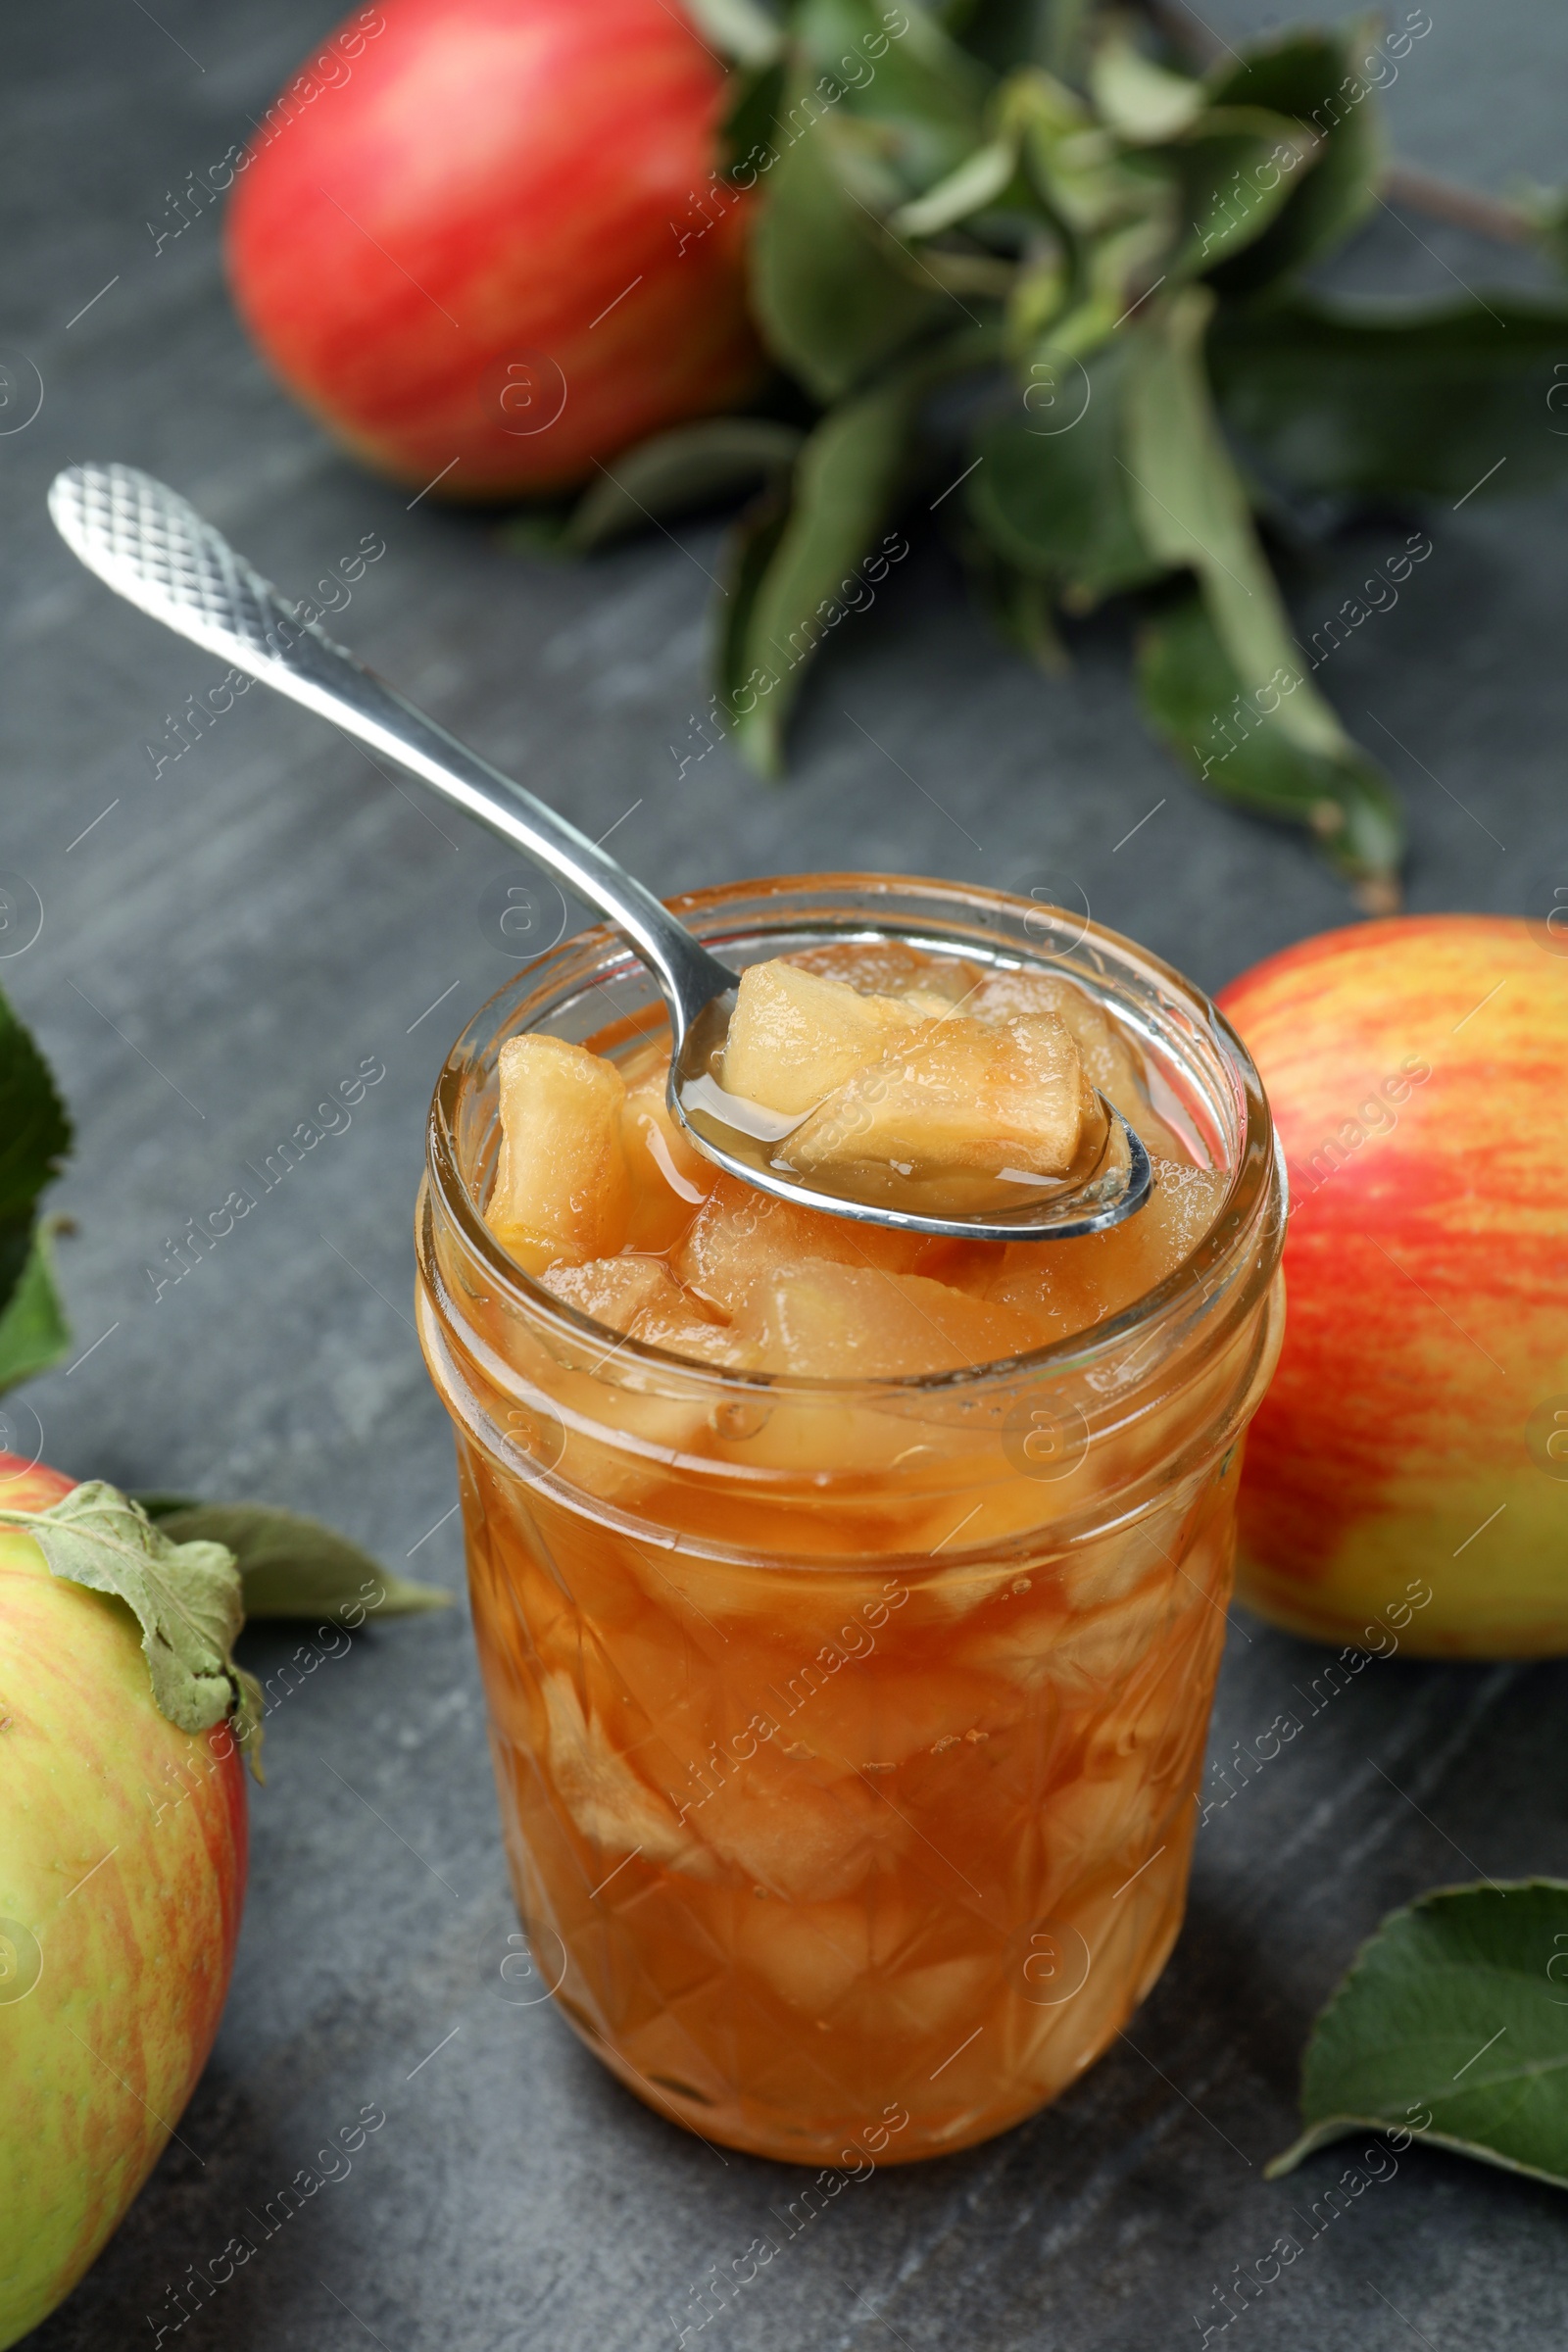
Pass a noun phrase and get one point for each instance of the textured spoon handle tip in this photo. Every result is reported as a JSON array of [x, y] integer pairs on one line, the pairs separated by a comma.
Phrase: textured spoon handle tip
[[153, 549]]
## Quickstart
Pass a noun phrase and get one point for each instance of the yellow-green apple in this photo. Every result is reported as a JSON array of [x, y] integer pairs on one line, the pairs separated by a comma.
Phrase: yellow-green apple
[[121, 1875], [1412, 1454]]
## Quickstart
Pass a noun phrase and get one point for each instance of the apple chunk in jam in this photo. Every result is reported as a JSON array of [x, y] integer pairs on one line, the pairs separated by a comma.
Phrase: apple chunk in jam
[[917, 1099], [982, 1077]]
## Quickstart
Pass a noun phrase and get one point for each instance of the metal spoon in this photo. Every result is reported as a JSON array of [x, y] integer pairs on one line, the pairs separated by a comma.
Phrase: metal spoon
[[157, 553]]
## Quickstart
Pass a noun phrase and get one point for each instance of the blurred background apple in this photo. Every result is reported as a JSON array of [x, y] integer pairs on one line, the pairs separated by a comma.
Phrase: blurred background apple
[[470, 264]]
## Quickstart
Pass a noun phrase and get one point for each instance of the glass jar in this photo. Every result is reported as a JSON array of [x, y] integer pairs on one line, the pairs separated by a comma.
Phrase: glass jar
[[848, 1733]]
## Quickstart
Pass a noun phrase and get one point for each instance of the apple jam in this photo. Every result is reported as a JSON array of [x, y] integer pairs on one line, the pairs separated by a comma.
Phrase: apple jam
[[849, 1602]]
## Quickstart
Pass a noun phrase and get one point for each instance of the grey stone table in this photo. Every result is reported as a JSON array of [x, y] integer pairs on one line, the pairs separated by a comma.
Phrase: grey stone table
[[227, 935]]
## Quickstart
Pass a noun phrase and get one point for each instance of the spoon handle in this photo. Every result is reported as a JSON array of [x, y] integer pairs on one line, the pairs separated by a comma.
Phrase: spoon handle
[[147, 544]]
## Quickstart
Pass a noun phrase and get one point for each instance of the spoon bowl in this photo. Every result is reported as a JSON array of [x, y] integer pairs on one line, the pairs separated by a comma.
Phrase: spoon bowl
[[152, 548]]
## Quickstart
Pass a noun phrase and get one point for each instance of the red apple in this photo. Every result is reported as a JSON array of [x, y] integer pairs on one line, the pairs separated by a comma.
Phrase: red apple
[[482, 239], [121, 1875], [1415, 1440]]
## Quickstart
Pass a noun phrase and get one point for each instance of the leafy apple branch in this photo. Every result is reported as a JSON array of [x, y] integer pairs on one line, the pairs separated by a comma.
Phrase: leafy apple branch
[[1043, 255]]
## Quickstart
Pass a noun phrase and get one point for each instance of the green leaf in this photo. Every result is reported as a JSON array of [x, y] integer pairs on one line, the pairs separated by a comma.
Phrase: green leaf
[[1304, 74], [1091, 184], [1006, 33], [35, 1137], [35, 1131], [185, 1597], [1227, 731], [292, 1566], [1191, 510], [848, 482], [918, 98], [752, 545], [1019, 604], [797, 562], [1452, 2026], [1385, 400], [1227, 201], [34, 1332], [1056, 504], [739, 29], [746, 134], [868, 118], [675, 471], [982, 176], [835, 294], [1139, 100]]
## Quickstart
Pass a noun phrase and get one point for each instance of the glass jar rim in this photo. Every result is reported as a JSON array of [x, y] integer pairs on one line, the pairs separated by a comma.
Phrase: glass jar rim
[[1246, 1234]]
